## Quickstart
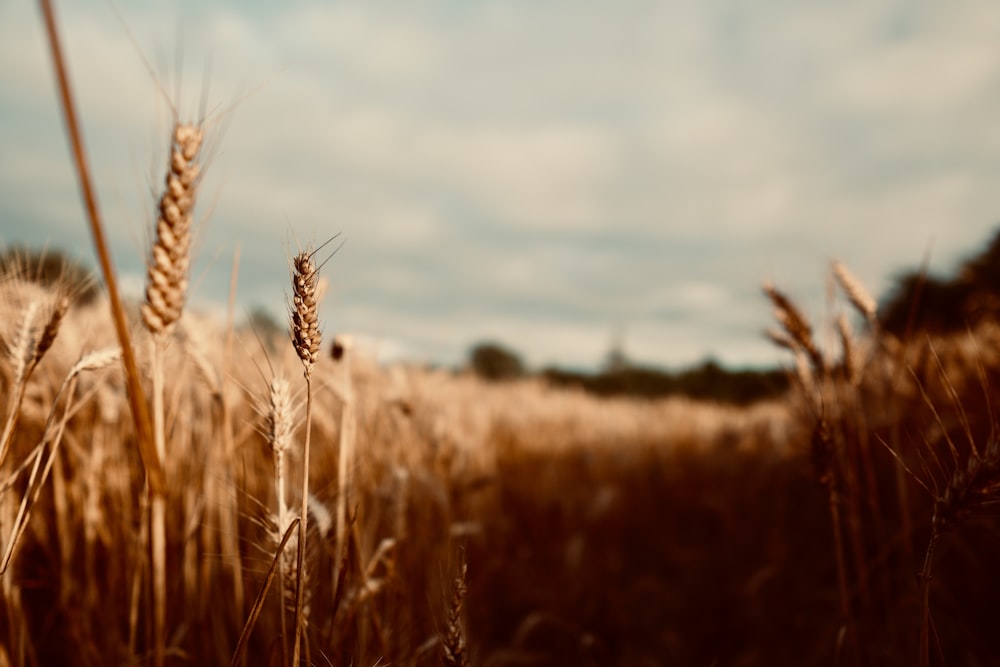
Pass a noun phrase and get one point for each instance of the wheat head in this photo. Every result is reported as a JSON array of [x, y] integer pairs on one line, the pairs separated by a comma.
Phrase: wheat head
[[167, 275]]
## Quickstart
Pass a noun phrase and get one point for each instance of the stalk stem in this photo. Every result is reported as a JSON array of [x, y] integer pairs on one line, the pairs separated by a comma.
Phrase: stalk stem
[[300, 588]]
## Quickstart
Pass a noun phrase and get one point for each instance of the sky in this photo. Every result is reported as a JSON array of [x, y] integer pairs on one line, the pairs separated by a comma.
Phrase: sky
[[560, 177]]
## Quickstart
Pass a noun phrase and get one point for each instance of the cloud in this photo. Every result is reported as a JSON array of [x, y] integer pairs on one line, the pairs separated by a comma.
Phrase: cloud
[[544, 174]]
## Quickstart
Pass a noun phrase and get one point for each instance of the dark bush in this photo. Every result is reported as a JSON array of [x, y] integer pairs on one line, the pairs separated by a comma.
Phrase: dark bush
[[492, 361]]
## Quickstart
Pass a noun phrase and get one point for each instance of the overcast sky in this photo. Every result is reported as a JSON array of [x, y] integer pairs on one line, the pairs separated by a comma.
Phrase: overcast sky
[[552, 175]]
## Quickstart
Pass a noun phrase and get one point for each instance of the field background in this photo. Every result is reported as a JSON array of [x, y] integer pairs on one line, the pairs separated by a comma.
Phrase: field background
[[595, 530]]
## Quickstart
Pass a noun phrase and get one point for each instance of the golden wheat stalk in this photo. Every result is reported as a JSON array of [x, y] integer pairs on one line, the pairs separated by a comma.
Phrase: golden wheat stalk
[[166, 291], [856, 292], [852, 361], [280, 421], [44, 454], [306, 338], [170, 262], [25, 352], [453, 647], [796, 325]]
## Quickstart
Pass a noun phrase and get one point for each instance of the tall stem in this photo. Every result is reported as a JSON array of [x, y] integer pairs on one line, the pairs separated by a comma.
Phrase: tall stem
[[158, 530], [136, 395], [300, 588]]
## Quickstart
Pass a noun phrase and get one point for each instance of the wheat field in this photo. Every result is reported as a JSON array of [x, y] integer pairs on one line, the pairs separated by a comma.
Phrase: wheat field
[[175, 489]]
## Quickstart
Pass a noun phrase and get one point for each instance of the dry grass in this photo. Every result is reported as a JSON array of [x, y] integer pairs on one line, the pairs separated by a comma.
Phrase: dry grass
[[600, 531]]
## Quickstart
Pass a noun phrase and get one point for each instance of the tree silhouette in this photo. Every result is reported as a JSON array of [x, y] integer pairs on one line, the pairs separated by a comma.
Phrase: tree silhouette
[[492, 361], [931, 304]]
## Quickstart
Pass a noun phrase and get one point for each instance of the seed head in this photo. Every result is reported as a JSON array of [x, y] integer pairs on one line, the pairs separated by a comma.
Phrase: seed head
[[306, 336], [167, 276]]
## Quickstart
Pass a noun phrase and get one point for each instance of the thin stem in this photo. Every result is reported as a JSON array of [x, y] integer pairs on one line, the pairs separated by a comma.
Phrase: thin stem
[[136, 396], [300, 588], [258, 604], [158, 530]]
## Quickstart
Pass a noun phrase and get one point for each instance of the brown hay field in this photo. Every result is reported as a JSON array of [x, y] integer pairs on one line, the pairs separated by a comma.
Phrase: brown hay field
[[292, 501], [591, 531]]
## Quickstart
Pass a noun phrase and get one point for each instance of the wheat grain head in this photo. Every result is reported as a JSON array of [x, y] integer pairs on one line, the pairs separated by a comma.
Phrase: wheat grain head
[[167, 274]]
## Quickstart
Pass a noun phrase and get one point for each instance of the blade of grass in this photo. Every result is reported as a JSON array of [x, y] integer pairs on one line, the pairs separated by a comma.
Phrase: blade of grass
[[136, 395]]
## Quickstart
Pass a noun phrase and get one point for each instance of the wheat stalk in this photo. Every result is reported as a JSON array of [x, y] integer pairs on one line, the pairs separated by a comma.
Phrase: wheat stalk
[[453, 647], [51, 439], [280, 426], [166, 291], [795, 324], [167, 273], [306, 338], [851, 358], [26, 350], [972, 489], [856, 293]]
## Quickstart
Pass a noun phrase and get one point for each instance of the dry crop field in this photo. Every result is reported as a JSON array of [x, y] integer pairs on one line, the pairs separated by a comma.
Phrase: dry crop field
[[290, 501]]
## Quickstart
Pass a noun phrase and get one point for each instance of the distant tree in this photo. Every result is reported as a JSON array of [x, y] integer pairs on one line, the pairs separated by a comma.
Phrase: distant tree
[[492, 361], [921, 302], [708, 381], [49, 267], [925, 303]]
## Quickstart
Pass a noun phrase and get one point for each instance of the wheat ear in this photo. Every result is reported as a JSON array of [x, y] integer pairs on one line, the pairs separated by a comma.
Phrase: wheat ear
[[796, 325], [856, 293], [166, 291], [167, 275], [25, 351], [306, 339], [453, 647]]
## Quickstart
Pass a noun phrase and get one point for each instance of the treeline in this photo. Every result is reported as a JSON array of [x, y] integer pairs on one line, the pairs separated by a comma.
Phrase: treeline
[[707, 381], [922, 302], [919, 303]]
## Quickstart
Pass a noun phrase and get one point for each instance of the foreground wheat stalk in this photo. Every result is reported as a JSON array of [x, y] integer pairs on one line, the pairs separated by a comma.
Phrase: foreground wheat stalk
[[166, 290], [306, 339], [136, 394], [815, 379]]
